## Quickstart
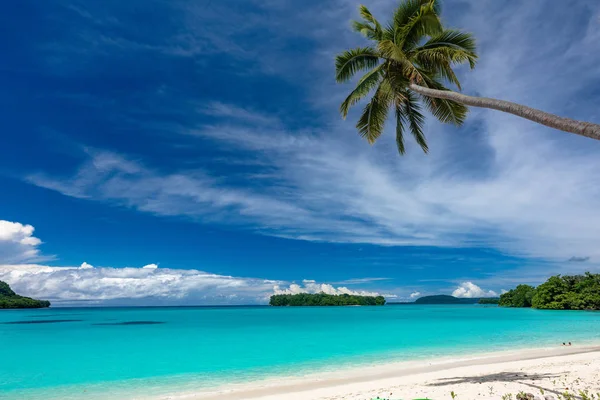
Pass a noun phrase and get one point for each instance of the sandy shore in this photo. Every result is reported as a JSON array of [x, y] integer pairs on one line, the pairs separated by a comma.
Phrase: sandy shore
[[549, 371]]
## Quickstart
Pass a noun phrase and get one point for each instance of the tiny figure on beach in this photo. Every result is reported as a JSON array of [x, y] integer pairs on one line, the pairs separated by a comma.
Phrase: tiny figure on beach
[[569, 343], [564, 344]]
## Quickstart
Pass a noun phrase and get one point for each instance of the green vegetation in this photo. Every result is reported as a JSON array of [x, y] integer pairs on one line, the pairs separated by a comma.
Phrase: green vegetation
[[576, 292], [488, 300], [521, 296], [408, 64], [9, 299], [322, 299]]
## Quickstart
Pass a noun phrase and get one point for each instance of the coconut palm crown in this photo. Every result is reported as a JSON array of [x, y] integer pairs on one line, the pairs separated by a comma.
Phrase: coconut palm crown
[[413, 49]]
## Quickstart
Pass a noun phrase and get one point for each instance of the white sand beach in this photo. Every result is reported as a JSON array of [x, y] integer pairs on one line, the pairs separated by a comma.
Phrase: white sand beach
[[542, 372]]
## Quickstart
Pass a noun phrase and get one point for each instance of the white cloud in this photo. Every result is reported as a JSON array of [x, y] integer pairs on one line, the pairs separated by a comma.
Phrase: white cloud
[[66, 285], [414, 295], [17, 242], [470, 290], [150, 285], [77, 285], [310, 286]]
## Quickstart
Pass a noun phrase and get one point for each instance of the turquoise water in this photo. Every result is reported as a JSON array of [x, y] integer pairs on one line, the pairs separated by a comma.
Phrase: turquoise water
[[106, 352]]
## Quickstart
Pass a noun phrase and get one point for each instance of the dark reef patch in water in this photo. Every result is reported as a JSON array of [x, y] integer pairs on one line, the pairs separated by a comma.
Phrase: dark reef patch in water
[[47, 321], [51, 315], [131, 323]]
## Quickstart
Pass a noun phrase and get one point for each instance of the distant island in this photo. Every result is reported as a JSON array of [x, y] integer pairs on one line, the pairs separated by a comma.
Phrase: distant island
[[574, 292], [322, 299], [447, 299], [9, 299]]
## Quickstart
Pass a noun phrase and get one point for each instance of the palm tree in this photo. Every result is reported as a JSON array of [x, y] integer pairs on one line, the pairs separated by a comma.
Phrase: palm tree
[[412, 58]]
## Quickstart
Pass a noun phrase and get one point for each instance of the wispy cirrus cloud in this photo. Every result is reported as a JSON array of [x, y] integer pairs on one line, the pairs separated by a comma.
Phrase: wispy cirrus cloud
[[498, 182]]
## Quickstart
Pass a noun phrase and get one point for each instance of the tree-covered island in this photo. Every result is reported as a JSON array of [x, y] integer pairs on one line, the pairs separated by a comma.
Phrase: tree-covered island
[[322, 299], [9, 299]]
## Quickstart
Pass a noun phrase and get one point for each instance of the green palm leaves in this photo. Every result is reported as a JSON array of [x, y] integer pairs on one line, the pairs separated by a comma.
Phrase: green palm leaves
[[413, 48]]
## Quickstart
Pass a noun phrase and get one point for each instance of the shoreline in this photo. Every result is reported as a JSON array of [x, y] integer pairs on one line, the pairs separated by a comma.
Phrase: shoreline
[[363, 382]]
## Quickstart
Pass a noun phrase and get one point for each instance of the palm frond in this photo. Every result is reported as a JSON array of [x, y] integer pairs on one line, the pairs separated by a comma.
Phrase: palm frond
[[457, 47], [365, 29], [371, 122], [350, 62], [363, 87], [437, 63], [375, 30], [423, 22], [446, 111], [416, 119], [390, 51], [408, 8], [400, 121]]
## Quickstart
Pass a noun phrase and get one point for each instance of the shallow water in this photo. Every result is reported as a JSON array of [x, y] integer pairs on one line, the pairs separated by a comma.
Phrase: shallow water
[[106, 352]]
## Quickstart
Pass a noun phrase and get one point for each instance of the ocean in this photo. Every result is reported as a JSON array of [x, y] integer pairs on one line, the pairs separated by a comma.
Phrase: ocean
[[102, 353]]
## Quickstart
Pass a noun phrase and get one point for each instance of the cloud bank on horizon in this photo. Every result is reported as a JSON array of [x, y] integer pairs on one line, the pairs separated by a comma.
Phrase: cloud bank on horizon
[[147, 285]]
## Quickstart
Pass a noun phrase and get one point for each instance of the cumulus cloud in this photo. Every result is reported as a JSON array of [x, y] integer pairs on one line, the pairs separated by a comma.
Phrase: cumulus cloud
[[470, 290], [414, 295], [150, 266], [85, 265], [17, 243], [310, 286]]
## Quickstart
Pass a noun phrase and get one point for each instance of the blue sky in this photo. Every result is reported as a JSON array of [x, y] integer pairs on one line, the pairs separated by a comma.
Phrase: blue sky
[[203, 137]]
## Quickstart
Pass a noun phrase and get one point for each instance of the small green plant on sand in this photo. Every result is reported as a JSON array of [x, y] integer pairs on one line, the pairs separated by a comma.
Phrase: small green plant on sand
[[542, 391], [453, 395], [568, 396], [585, 395], [507, 396], [522, 396]]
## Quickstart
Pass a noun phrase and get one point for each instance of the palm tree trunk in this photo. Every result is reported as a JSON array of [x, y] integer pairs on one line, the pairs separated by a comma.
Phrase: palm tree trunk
[[586, 129]]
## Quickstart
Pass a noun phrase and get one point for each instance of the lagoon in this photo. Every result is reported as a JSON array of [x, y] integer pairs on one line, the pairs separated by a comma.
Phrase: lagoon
[[128, 352]]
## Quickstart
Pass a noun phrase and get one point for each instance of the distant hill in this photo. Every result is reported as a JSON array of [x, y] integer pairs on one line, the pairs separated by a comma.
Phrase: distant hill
[[9, 299], [446, 299]]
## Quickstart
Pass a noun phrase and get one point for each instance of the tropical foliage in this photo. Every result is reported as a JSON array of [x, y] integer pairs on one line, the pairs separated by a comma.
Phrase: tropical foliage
[[9, 299], [322, 299], [489, 300], [576, 292], [521, 296], [413, 47]]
